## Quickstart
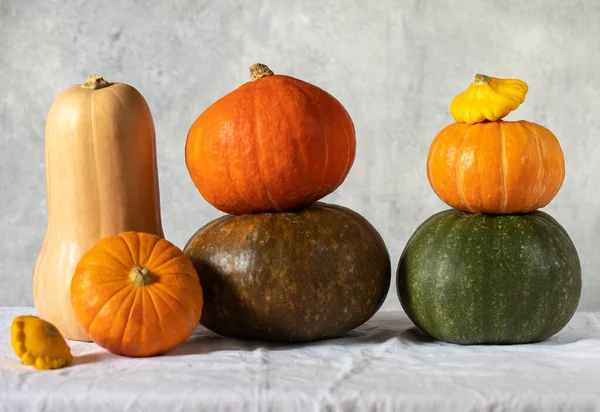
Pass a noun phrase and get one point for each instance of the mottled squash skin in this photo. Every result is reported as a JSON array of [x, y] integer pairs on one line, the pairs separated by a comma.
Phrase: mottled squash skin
[[481, 279], [293, 276]]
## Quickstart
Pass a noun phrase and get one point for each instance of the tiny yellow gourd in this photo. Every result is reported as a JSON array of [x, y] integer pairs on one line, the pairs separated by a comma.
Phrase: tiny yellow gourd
[[488, 98], [38, 343]]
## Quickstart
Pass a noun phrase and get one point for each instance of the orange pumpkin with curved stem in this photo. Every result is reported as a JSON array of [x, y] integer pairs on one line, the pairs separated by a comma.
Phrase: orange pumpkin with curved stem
[[274, 144], [482, 164], [136, 294]]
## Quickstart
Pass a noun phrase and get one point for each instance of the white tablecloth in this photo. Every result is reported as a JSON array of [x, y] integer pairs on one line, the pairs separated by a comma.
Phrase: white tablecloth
[[385, 365]]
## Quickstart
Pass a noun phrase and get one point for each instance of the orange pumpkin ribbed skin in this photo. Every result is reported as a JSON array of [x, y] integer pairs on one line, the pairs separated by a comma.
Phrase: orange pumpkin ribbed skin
[[273, 144], [136, 319], [496, 167]]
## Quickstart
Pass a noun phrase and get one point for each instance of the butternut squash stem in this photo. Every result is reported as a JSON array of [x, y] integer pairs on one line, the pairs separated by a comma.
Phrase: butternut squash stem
[[140, 276], [259, 70], [95, 82], [481, 80]]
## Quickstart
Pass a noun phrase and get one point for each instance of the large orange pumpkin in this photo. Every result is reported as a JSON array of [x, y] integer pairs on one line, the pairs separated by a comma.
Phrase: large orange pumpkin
[[274, 144], [136, 294], [496, 167]]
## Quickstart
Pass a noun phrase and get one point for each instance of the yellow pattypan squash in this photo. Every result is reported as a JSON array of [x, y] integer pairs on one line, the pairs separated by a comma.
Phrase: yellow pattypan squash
[[488, 98], [38, 343]]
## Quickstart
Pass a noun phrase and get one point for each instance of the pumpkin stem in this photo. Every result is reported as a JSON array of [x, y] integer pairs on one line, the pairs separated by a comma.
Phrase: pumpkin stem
[[141, 276], [259, 70], [95, 82], [481, 80]]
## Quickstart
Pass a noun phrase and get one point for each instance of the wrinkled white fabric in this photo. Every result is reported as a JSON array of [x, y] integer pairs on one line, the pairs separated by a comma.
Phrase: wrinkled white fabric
[[385, 365]]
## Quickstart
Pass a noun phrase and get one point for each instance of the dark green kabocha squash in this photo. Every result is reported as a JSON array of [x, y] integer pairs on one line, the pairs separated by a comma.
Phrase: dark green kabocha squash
[[291, 276], [474, 278]]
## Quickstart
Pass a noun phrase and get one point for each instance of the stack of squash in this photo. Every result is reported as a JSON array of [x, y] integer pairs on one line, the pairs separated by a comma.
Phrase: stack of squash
[[279, 266], [493, 269]]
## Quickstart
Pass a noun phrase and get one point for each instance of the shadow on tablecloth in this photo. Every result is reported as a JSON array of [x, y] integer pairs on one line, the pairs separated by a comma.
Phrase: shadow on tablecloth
[[384, 327]]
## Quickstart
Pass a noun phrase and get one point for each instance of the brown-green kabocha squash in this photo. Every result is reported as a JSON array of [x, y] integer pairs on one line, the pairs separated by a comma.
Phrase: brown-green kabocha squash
[[474, 278], [293, 276]]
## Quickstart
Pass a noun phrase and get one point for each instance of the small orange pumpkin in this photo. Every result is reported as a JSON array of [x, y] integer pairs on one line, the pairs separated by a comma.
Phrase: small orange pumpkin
[[135, 294], [274, 144], [494, 167]]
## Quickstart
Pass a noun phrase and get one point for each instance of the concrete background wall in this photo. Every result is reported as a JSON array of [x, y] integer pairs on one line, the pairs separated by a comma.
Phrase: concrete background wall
[[395, 65]]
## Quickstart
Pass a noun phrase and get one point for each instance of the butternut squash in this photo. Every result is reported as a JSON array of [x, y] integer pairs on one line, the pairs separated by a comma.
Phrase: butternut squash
[[101, 177]]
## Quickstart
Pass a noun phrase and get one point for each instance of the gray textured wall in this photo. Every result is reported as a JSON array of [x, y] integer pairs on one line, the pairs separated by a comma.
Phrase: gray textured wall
[[395, 65]]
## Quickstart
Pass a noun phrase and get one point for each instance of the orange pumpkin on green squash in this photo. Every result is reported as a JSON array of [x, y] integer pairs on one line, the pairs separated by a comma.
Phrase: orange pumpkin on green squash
[[482, 164], [135, 294], [274, 144]]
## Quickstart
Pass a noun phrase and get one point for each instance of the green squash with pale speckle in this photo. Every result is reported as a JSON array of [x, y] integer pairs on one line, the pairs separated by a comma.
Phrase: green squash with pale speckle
[[481, 279]]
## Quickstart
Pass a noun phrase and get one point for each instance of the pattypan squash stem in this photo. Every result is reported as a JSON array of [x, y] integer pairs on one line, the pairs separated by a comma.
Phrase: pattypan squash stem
[[481, 80]]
